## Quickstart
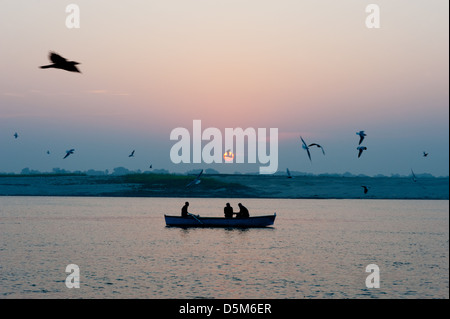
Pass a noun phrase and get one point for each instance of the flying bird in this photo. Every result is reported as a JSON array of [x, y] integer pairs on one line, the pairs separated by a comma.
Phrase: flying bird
[[61, 63], [132, 154], [314, 144], [69, 152], [151, 166], [361, 136], [305, 147], [48, 152], [366, 189], [196, 180], [16, 135], [361, 149], [425, 154]]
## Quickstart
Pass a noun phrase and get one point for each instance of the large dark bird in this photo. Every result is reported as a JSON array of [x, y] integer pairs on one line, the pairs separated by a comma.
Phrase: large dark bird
[[61, 63]]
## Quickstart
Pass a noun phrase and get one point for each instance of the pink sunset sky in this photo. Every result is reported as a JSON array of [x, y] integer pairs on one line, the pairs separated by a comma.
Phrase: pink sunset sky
[[309, 68]]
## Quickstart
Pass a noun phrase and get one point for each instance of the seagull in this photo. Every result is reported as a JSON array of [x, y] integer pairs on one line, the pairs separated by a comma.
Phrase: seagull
[[413, 176], [196, 180], [61, 63], [16, 135], [69, 152], [366, 189], [361, 149], [305, 147], [425, 154], [151, 166], [288, 173], [48, 152], [314, 144], [361, 136], [132, 154]]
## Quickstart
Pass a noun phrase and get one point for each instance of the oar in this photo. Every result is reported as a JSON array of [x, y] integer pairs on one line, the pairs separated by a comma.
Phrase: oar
[[195, 218]]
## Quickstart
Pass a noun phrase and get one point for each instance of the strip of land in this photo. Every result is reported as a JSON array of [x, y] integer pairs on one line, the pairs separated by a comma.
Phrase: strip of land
[[225, 186]]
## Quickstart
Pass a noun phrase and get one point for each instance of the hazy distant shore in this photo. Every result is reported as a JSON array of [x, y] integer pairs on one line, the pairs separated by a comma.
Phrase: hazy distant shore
[[226, 186]]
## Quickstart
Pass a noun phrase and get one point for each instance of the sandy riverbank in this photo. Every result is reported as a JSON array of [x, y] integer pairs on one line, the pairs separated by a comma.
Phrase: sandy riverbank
[[226, 186]]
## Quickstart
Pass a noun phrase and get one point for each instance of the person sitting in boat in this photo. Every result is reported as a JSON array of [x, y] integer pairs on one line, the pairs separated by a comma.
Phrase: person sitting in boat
[[228, 211], [184, 210], [243, 212]]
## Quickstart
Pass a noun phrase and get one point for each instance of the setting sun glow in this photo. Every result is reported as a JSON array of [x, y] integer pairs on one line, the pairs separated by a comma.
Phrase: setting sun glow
[[228, 156]]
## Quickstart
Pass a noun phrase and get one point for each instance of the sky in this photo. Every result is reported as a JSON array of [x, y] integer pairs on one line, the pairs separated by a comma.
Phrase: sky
[[308, 68]]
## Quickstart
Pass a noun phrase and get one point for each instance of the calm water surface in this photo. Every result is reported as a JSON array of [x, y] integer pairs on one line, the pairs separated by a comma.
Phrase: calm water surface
[[316, 249]]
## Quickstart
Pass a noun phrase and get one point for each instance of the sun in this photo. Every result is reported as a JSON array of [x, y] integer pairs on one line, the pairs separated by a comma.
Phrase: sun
[[228, 156]]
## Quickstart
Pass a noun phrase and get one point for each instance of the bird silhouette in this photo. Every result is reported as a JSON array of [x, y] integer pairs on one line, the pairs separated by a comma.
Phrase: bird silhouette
[[196, 180], [61, 63], [361, 149], [69, 152], [425, 154], [16, 135], [366, 189], [132, 154], [361, 136], [314, 144], [306, 148]]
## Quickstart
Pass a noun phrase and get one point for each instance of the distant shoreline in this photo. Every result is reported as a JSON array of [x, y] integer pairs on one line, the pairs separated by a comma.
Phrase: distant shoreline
[[225, 186]]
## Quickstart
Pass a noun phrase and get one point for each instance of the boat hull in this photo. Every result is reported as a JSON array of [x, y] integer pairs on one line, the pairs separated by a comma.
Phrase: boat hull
[[197, 221]]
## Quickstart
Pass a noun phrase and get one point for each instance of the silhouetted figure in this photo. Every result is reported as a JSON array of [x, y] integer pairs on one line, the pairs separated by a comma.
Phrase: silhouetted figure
[[132, 154], [228, 211], [61, 63], [425, 154], [184, 210], [16, 135], [243, 212]]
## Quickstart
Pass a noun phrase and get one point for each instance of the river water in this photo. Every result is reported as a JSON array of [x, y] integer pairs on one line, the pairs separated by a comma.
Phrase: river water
[[316, 249]]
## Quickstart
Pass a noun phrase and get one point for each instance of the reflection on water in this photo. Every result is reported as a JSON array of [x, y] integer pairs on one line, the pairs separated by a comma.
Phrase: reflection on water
[[316, 249]]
